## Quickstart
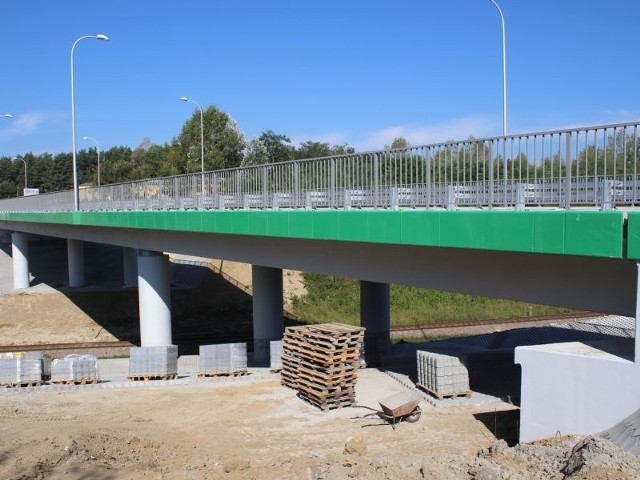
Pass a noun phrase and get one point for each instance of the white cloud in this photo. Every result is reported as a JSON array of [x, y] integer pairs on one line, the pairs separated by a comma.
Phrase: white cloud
[[26, 124], [458, 129]]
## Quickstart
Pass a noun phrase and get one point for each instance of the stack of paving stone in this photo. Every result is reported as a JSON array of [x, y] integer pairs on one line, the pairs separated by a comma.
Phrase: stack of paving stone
[[75, 369], [20, 371], [153, 363], [224, 359], [443, 375], [275, 354], [321, 362]]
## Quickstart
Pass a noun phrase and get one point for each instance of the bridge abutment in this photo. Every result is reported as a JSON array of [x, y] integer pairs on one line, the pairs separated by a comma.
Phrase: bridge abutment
[[375, 316], [154, 297], [20, 254], [268, 322], [75, 259]]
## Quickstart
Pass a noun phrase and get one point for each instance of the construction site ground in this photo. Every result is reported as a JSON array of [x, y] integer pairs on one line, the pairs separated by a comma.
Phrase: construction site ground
[[247, 427]]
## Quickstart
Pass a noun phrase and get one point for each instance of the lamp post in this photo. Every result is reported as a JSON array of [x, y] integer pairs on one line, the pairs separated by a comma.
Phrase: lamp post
[[25, 169], [185, 99], [7, 115], [98, 148], [76, 196], [504, 72]]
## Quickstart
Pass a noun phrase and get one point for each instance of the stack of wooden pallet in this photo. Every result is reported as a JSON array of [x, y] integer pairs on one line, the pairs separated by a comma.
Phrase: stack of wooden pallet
[[321, 362]]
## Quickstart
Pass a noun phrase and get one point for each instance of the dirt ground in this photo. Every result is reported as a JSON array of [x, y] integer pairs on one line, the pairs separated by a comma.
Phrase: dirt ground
[[259, 430]]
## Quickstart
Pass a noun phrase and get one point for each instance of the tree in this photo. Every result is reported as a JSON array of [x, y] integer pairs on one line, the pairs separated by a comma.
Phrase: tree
[[278, 147], [398, 142], [223, 142], [256, 153], [311, 149]]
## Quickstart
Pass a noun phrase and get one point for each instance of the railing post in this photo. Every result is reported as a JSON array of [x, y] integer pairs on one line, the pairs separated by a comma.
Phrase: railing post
[[428, 177], [296, 186], [451, 198], [394, 198], [376, 181], [567, 161], [265, 181], [238, 195], [332, 188], [606, 195], [520, 196], [490, 174]]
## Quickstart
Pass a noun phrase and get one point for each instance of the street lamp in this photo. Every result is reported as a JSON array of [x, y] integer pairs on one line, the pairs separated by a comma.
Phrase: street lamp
[[7, 115], [76, 196], [98, 148], [185, 99], [504, 72], [25, 170]]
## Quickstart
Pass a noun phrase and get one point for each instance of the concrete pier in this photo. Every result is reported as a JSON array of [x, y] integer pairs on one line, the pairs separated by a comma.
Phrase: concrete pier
[[129, 267], [375, 316], [154, 297], [75, 257], [20, 254], [268, 322]]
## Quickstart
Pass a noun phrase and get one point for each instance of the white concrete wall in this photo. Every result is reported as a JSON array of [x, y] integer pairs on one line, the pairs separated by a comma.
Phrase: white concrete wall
[[574, 389]]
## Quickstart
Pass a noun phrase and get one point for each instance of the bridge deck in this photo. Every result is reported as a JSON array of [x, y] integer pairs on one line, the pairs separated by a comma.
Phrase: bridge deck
[[609, 234]]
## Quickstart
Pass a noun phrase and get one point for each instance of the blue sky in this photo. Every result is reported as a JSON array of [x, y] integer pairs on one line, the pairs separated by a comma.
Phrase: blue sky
[[354, 71]]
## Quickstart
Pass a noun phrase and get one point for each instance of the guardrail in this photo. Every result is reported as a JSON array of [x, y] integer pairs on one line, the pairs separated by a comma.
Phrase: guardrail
[[591, 166]]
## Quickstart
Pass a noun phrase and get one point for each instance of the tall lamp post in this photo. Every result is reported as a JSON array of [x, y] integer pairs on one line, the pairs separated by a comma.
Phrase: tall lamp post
[[185, 99], [25, 170], [504, 72], [76, 196], [7, 115], [98, 148]]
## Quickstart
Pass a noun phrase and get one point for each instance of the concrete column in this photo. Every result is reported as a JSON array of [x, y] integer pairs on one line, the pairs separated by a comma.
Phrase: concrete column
[[20, 254], [375, 316], [75, 258], [129, 267], [268, 322], [154, 299]]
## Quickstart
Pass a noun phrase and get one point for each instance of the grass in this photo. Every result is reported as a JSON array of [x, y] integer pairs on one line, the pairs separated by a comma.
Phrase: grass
[[334, 299]]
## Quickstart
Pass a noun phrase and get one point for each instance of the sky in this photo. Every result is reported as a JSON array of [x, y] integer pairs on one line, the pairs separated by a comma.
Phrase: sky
[[361, 72]]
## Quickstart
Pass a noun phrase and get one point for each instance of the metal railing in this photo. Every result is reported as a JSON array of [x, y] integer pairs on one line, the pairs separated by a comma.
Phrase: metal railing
[[591, 166]]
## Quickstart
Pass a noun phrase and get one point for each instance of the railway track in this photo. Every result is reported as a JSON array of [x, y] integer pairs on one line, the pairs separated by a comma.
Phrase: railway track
[[497, 321], [396, 332], [53, 347]]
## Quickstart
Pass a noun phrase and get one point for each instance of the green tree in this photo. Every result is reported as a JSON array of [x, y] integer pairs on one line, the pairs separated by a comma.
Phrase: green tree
[[223, 142], [279, 148], [398, 142], [256, 153]]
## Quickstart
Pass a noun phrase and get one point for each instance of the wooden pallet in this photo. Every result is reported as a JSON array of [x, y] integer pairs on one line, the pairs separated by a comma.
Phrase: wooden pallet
[[327, 404], [21, 384], [74, 381], [237, 373], [147, 378], [441, 396], [326, 345], [325, 391], [320, 357]]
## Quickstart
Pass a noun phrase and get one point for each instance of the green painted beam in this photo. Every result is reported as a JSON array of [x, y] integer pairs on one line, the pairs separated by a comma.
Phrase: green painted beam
[[586, 233], [633, 236]]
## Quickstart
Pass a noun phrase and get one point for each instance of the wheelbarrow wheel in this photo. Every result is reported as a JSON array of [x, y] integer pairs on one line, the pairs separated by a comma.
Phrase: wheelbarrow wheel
[[414, 416]]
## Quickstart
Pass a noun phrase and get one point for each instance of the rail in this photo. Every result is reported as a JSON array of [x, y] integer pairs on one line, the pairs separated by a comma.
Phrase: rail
[[592, 166]]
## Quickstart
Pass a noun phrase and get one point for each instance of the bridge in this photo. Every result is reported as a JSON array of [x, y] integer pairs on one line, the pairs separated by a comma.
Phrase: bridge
[[547, 217]]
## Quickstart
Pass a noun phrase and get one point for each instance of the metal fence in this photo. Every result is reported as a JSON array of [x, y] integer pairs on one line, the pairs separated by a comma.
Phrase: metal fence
[[592, 167]]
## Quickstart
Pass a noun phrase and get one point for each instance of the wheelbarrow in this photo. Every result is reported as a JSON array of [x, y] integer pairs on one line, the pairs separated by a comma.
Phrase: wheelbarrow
[[398, 407]]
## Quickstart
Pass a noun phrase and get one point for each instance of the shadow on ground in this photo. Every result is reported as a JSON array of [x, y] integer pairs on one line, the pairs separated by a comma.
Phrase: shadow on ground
[[205, 307]]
